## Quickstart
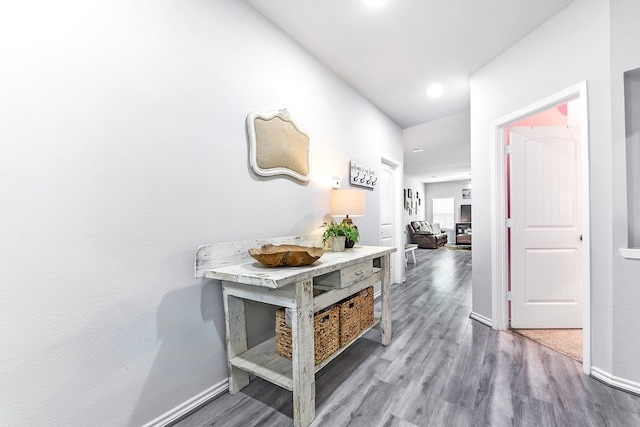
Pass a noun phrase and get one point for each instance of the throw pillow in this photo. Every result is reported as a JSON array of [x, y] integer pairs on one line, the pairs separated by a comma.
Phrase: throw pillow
[[436, 228]]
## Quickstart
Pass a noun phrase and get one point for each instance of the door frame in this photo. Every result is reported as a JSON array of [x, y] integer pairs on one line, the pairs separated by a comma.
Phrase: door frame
[[396, 167], [499, 243]]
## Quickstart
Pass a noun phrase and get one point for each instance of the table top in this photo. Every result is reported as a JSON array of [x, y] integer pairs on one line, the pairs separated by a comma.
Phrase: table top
[[253, 273]]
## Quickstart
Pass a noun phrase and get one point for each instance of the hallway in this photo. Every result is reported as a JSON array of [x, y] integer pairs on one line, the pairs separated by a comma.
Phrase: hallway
[[441, 369]]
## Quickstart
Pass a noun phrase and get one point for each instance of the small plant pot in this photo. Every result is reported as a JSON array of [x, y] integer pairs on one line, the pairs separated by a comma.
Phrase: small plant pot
[[337, 243]]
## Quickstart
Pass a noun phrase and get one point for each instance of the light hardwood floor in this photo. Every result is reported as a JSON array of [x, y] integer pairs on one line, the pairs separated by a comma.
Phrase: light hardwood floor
[[441, 369]]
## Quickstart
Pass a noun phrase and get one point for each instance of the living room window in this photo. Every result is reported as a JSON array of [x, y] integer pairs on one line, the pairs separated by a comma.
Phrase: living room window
[[443, 212]]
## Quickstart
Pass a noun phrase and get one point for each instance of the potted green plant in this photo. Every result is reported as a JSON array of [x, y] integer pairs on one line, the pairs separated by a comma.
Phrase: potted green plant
[[337, 233]]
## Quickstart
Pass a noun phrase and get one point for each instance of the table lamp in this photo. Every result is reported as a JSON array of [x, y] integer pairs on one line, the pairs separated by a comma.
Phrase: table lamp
[[347, 203]]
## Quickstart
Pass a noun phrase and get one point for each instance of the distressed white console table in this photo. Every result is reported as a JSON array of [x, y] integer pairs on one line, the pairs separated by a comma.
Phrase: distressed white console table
[[337, 274]]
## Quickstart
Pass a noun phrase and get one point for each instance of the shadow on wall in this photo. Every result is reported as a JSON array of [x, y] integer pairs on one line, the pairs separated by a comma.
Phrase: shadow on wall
[[191, 356], [192, 353]]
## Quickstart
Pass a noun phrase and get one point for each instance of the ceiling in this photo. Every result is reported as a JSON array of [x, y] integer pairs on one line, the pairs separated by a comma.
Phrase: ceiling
[[392, 53]]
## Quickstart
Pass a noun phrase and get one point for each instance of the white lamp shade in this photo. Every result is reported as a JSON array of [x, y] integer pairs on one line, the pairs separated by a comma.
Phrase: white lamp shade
[[347, 203]]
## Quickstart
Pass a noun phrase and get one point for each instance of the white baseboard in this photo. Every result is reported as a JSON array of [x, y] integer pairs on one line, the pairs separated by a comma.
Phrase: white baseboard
[[482, 319], [616, 382], [184, 408]]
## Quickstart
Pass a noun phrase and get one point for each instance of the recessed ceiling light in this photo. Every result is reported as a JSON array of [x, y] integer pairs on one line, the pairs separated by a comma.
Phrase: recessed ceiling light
[[435, 90], [418, 150], [375, 3]]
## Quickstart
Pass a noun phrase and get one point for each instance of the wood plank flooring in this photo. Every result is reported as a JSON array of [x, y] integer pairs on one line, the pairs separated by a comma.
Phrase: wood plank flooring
[[441, 369]]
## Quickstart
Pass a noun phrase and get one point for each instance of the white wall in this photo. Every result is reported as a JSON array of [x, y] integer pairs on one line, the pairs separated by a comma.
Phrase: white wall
[[446, 189], [625, 55], [570, 48], [417, 215], [446, 148], [123, 149]]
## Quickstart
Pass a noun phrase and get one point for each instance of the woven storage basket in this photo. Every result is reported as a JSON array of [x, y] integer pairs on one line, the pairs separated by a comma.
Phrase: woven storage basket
[[349, 318], [365, 307], [325, 332]]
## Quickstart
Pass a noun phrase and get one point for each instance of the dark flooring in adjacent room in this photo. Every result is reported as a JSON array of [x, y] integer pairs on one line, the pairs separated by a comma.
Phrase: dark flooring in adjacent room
[[441, 369]]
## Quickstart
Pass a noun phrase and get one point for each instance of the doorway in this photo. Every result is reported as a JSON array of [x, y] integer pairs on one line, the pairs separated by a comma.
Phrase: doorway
[[500, 233], [390, 215], [545, 251]]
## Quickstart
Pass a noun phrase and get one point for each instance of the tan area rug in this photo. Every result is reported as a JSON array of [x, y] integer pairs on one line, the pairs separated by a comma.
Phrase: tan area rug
[[565, 341], [458, 248]]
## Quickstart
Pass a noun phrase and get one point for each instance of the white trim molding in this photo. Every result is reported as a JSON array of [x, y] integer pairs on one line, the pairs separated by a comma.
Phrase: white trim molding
[[482, 319], [183, 409], [616, 382], [398, 173], [630, 253]]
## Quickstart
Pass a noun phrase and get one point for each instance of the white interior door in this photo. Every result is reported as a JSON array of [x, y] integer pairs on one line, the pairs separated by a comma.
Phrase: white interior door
[[387, 211], [546, 231]]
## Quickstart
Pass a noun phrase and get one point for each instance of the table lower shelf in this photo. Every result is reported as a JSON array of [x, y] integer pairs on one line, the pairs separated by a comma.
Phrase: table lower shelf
[[263, 361]]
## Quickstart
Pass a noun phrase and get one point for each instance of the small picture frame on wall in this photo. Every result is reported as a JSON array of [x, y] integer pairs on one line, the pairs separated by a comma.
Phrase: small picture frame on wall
[[466, 193], [409, 193]]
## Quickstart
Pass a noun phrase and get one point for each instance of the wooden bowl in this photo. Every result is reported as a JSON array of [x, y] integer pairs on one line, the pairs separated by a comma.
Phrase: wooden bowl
[[286, 255]]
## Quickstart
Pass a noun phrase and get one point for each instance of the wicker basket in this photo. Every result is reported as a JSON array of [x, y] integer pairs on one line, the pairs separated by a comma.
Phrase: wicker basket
[[365, 307], [349, 319], [356, 315], [325, 328]]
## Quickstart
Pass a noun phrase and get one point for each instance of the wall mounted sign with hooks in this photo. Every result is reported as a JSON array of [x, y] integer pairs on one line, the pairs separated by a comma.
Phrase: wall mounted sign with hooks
[[363, 176]]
